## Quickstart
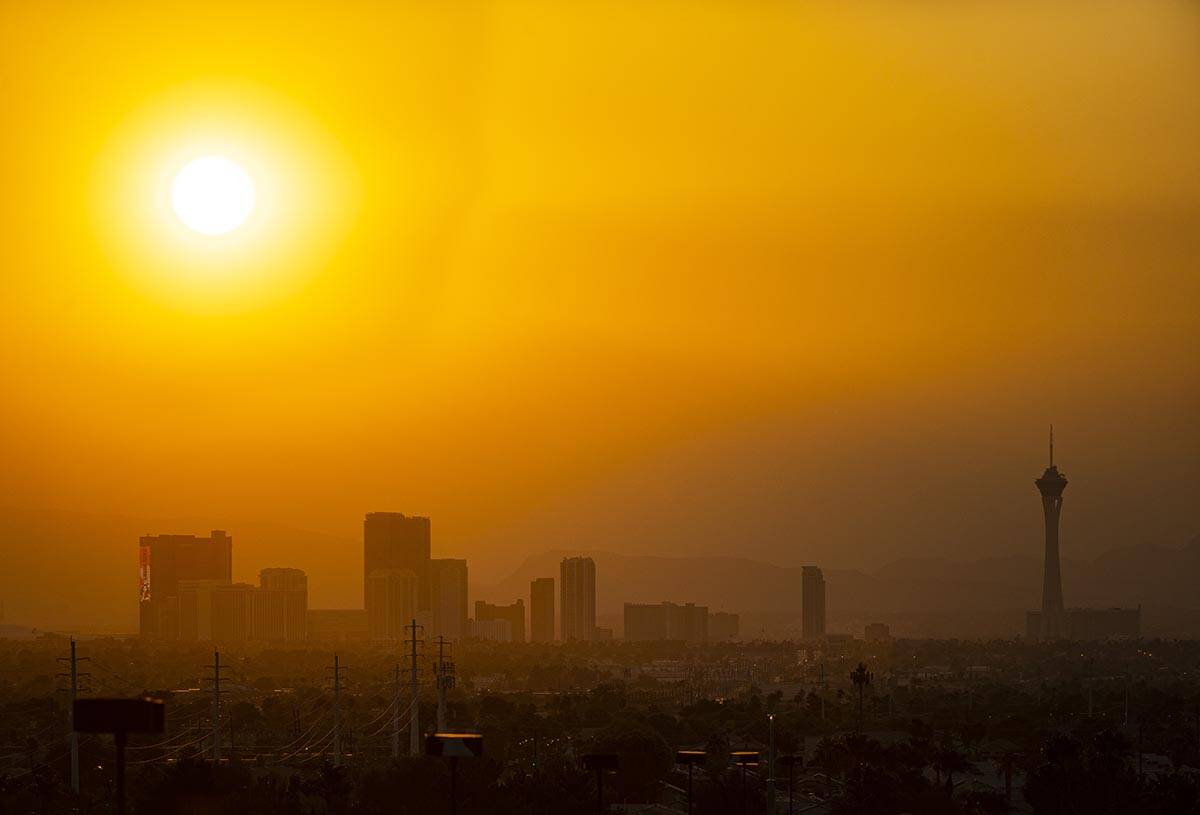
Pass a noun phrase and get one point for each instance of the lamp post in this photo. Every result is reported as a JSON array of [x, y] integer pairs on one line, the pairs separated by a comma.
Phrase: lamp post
[[691, 758], [454, 746], [601, 762]]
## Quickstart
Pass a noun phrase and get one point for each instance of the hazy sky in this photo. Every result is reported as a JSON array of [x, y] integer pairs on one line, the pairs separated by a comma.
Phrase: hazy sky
[[797, 281]]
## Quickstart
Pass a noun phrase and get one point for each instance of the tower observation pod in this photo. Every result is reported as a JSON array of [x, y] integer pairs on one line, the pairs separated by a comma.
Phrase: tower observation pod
[[1051, 486]]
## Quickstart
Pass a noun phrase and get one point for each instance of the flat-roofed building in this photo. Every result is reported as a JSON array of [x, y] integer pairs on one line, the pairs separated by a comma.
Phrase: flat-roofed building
[[391, 603], [514, 613], [166, 560], [646, 622], [541, 609], [577, 599], [448, 579], [280, 606]]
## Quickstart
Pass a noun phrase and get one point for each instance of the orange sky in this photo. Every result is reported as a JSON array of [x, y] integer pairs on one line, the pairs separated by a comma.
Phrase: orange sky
[[801, 281]]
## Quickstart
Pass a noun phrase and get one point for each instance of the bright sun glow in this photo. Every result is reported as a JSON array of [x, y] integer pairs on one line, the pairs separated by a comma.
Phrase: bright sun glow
[[212, 195]]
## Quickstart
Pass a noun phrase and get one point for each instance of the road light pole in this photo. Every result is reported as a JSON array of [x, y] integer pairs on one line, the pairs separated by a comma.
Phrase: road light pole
[[771, 767]]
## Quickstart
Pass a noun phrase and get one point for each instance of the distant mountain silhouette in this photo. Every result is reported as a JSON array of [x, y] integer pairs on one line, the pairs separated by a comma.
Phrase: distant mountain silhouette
[[925, 596]]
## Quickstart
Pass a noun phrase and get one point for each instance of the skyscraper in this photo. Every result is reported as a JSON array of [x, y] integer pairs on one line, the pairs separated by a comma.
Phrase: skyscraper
[[577, 594], [813, 603], [646, 622], [513, 613], [448, 598], [395, 541], [279, 606], [391, 603], [541, 609], [164, 561], [1051, 486]]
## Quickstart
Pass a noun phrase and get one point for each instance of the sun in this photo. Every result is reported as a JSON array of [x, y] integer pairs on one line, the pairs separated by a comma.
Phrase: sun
[[212, 195]]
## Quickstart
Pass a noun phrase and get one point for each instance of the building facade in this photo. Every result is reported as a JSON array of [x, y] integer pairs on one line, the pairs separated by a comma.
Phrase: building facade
[[666, 621], [541, 609], [448, 598], [577, 599], [395, 541], [166, 560], [391, 604], [813, 603], [877, 632], [496, 630], [280, 606], [514, 613], [722, 625]]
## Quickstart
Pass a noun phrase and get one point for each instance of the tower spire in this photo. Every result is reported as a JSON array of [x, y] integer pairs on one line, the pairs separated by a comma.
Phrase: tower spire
[[1051, 445]]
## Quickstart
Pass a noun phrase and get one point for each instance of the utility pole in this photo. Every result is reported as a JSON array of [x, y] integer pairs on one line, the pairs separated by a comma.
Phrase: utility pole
[[771, 767], [414, 726], [74, 676], [337, 711], [396, 714], [216, 706], [445, 681], [822, 690]]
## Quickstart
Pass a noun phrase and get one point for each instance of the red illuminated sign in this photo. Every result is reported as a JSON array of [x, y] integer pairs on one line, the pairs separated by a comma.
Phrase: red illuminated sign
[[144, 573]]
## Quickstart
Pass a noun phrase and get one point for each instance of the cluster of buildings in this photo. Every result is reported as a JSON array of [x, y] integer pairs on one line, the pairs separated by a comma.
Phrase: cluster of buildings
[[186, 592], [651, 622]]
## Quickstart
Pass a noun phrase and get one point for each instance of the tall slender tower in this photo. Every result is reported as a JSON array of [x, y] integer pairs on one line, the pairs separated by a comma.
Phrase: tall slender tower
[[1051, 486]]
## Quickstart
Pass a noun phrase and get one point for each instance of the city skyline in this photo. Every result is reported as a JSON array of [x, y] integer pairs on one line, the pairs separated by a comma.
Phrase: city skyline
[[519, 407]]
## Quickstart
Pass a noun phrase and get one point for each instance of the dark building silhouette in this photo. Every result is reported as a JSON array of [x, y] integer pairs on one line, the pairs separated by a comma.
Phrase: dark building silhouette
[[541, 610], [513, 614], [666, 621], [1051, 486], [166, 560], [1054, 621], [722, 625], [877, 632], [577, 599], [448, 598], [391, 603], [280, 606], [812, 598], [395, 541]]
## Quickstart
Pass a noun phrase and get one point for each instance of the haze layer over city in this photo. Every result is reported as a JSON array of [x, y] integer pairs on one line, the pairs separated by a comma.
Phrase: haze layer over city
[[613, 385]]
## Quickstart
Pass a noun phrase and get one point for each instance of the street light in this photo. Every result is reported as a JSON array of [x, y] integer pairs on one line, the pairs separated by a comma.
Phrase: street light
[[691, 758], [454, 746], [119, 717], [601, 762]]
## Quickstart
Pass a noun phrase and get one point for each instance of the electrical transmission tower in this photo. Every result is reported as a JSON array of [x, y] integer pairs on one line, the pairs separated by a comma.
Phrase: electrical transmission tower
[[336, 672], [444, 675], [74, 676], [414, 726]]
